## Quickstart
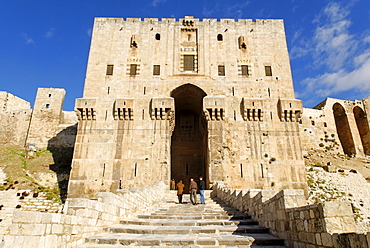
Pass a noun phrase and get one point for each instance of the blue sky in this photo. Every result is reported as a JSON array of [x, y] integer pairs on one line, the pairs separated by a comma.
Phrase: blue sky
[[46, 43]]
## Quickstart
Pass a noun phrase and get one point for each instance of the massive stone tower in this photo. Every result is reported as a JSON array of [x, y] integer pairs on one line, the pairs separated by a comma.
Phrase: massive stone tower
[[170, 99]]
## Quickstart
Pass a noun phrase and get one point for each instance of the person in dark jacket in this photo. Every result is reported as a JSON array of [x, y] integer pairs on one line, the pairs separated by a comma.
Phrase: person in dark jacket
[[202, 187], [193, 191]]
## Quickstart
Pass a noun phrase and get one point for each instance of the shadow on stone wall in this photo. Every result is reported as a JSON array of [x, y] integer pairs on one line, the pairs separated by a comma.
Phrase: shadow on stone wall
[[61, 146]]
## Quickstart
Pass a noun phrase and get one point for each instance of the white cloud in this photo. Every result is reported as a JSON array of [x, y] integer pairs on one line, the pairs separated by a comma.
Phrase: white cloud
[[156, 2], [333, 43], [50, 33], [236, 10], [344, 56], [210, 12], [89, 32], [28, 40], [340, 81]]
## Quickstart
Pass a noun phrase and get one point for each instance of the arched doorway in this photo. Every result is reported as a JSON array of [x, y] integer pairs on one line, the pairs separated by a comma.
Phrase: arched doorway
[[363, 128], [343, 130], [189, 138]]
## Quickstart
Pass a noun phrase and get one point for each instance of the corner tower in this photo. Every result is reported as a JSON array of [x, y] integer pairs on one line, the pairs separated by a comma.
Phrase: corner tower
[[187, 98]]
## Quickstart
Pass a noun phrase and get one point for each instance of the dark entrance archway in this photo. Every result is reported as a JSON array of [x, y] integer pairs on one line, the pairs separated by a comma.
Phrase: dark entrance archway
[[189, 138], [343, 130], [363, 128]]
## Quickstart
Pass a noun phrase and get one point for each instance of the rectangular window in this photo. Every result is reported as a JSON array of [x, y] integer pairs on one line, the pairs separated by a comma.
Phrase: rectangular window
[[109, 70], [268, 70], [188, 62], [133, 69], [245, 70], [221, 70], [156, 70]]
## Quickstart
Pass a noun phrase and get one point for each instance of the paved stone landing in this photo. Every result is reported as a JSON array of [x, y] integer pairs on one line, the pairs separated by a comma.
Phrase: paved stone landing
[[213, 224]]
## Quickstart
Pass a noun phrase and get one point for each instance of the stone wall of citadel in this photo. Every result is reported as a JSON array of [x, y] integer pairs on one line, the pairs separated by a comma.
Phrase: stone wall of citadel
[[318, 128], [15, 114], [255, 105], [46, 126]]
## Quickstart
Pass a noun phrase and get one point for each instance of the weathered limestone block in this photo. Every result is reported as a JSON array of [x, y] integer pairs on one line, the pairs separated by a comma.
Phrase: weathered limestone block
[[326, 239], [27, 217], [56, 229], [338, 217]]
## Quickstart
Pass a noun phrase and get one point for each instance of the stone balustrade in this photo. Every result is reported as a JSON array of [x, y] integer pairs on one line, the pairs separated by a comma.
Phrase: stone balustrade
[[81, 218], [285, 213]]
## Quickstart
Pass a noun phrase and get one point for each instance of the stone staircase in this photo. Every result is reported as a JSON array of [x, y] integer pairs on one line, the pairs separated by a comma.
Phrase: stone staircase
[[213, 224], [8, 203]]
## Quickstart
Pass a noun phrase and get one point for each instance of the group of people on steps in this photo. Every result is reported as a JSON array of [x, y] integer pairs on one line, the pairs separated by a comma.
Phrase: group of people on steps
[[193, 187]]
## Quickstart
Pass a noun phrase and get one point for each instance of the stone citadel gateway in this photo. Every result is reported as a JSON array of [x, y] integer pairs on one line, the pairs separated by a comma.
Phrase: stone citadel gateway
[[170, 99], [180, 99]]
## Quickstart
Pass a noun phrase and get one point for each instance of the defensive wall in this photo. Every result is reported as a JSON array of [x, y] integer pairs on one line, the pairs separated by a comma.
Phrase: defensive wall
[[323, 225], [46, 126], [337, 126], [81, 218]]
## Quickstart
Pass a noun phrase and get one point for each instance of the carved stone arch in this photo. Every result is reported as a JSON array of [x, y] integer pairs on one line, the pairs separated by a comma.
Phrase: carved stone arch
[[343, 130], [189, 138], [363, 128]]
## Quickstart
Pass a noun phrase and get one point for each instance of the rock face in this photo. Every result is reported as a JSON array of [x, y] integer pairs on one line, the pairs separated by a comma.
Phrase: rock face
[[181, 99]]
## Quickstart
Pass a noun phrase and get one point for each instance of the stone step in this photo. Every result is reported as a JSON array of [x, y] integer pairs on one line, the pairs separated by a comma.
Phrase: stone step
[[192, 217], [185, 239], [186, 225], [178, 246], [215, 229], [204, 212], [175, 222]]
